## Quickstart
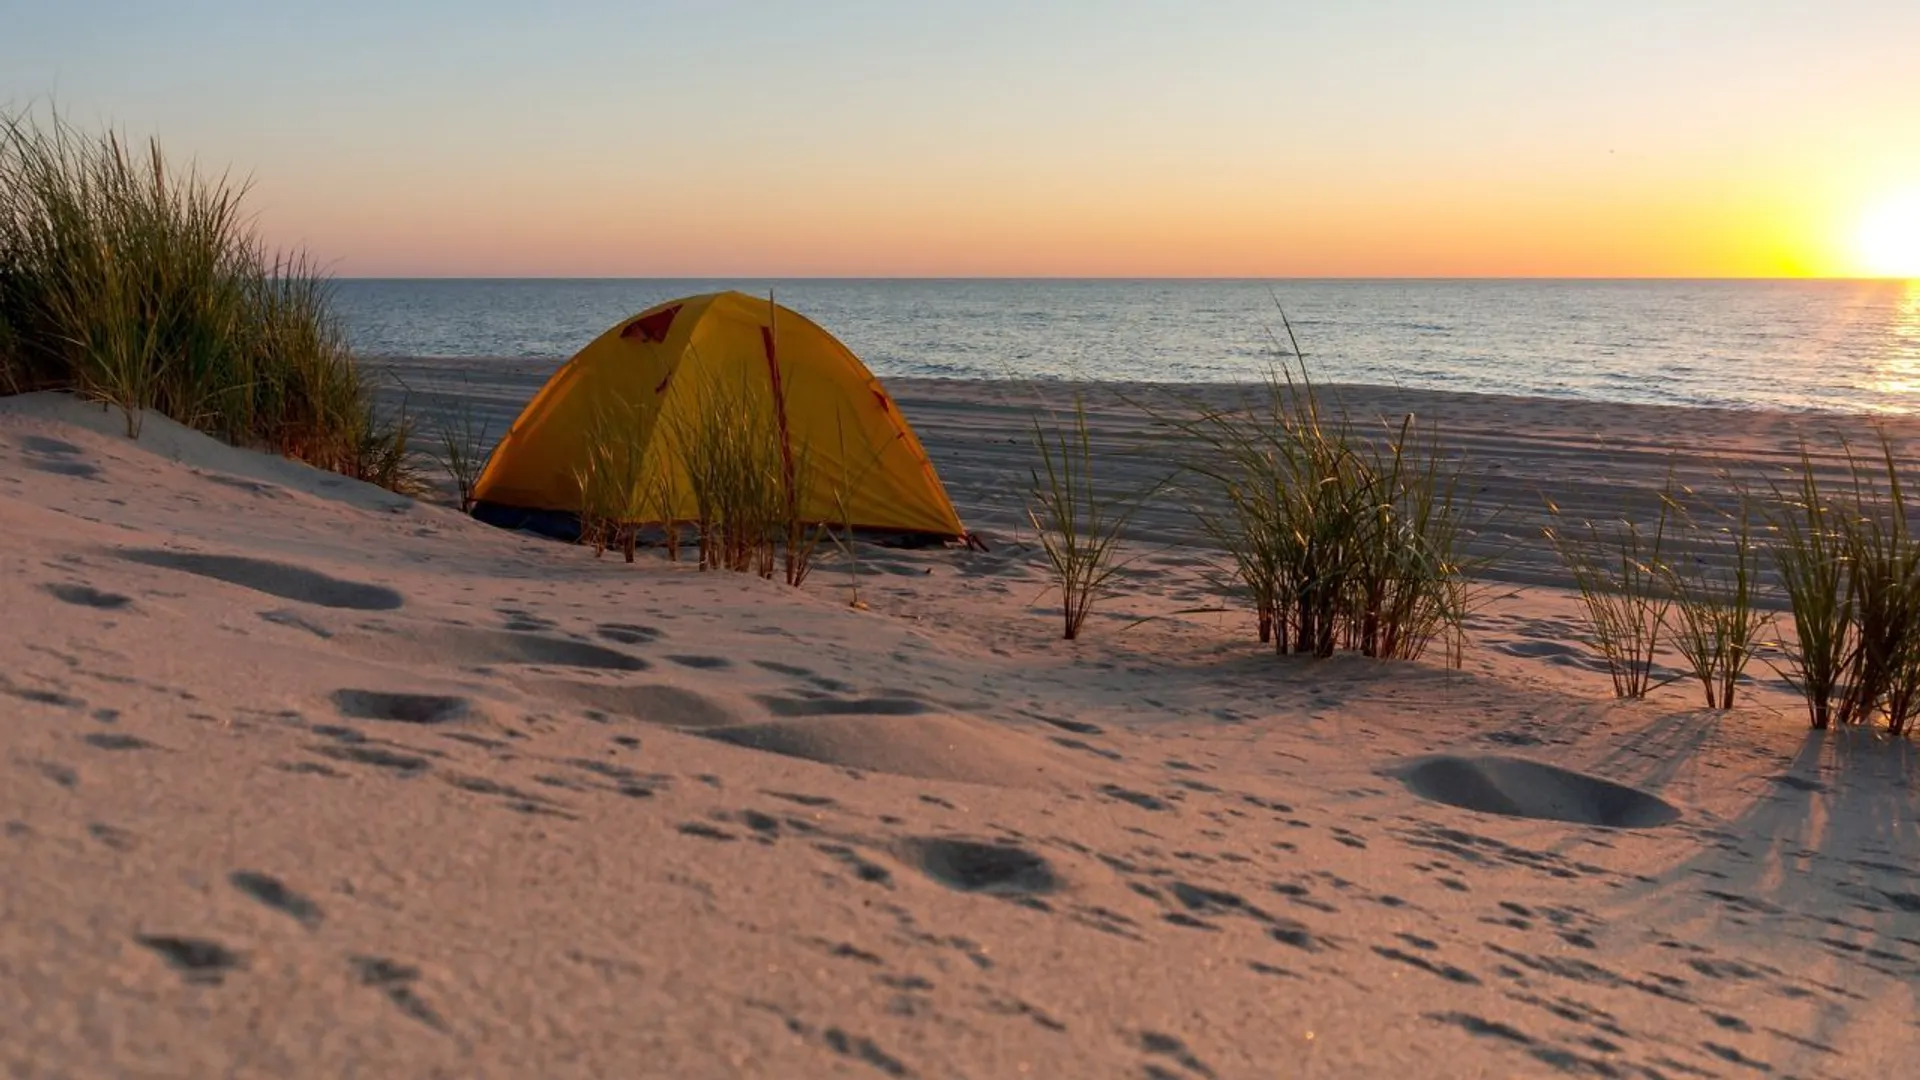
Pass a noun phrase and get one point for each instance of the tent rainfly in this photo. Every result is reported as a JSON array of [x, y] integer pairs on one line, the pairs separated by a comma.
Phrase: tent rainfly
[[657, 369]]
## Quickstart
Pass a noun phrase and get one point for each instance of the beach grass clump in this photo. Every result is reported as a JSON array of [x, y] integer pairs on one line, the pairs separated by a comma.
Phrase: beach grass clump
[[1808, 546], [10, 377], [1883, 563], [798, 536], [1079, 526], [1336, 540], [743, 481], [1412, 574], [1620, 569], [1715, 618], [143, 286], [622, 484], [800, 539], [462, 447], [1850, 564], [746, 483]]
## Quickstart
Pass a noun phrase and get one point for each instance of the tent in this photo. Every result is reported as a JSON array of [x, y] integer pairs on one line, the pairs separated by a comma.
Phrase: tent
[[851, 452]]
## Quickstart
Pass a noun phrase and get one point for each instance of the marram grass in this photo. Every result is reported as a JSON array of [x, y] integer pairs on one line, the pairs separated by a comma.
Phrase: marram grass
[[143, 286], [1078, 525], [1716, 620], [1336, 540], [1618, 568]]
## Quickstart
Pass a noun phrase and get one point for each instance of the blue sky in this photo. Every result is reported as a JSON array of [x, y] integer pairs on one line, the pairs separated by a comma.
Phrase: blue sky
[[1225, 137]]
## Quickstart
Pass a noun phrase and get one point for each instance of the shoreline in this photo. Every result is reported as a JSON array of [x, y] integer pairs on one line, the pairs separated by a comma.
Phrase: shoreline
[[527, 366], [1514, 453]]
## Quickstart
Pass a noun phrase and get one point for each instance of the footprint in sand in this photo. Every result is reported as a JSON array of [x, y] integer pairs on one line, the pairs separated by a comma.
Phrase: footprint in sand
[[970, 866], [404, 764], [198, 960], [1138, 798], [1172, 1048], [113, 836], [525, 621], [521, 802], [274, 893], [628, 634], [87, 596], [395, 980], [40, 697], [1516, 787], [113, 740], [1078, 727], [401, 708], [294, 619], [57, 457], [284, 580]]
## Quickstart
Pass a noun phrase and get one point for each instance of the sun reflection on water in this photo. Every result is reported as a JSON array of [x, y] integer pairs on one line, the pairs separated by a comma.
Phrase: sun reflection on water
[[1898, 378]]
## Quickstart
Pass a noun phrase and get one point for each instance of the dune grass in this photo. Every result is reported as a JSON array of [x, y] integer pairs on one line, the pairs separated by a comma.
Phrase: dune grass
[[1850, 564], [730, 467], [748, 482], [1883, 564], [1716, 621], [1619, 569], [143, 286], [462, 445], [747, 488], [1413, 584], [1078, 525], [1808, 549], [1336, 540], [622, 483], [843, 539]]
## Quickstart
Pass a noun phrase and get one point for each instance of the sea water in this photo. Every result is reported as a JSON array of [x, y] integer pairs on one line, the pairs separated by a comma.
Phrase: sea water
[[1838, 345]]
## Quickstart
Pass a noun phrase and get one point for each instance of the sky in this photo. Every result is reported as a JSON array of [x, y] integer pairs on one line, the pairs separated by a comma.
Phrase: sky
[[1206, 138]]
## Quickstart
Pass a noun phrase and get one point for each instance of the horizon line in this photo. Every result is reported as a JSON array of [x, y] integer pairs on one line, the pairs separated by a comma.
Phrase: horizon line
[[1838, 278]]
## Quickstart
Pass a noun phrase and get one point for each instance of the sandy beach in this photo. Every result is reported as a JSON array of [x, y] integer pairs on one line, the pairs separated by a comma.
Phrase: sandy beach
[[307, 779]]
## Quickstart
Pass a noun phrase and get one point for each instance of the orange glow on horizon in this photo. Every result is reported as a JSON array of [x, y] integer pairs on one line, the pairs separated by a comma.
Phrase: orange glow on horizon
[[1360, 233], [1260, 219]]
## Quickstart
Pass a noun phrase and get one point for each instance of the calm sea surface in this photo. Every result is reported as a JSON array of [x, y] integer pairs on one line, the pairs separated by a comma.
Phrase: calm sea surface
[[1821, 345]]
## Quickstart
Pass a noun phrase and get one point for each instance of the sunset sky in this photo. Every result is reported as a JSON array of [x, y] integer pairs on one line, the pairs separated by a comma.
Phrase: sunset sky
[[935, 138]]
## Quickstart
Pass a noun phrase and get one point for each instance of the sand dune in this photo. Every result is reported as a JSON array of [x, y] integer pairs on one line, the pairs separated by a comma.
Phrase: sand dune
[[306, 780], [929, 747]]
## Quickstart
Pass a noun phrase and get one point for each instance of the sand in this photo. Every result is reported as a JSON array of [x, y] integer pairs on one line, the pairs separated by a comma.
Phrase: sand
[[305, 779]]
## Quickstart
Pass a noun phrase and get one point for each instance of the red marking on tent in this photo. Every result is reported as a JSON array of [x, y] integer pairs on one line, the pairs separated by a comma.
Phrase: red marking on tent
[[881, 397], [780, 415], [652, 328]]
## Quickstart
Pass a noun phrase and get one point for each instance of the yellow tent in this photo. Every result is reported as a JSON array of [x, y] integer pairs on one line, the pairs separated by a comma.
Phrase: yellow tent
[[828, 410]]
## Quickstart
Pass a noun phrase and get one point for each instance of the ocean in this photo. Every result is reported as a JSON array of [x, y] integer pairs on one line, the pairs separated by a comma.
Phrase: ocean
[[1827, 345]]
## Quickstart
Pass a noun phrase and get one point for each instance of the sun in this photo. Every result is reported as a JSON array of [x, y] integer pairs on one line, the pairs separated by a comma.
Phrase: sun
[[1888, 240]]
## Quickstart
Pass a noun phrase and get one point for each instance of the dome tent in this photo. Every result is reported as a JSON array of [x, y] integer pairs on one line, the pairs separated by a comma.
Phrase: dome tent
[[824, 404]]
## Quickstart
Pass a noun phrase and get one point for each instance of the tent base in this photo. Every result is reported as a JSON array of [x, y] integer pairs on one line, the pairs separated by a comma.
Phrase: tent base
[[564, 525]]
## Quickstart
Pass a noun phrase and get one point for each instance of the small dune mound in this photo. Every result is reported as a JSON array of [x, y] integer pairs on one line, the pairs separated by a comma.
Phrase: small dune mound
[[462, 646], [283, 580], [937, 747], [825, 705], [652, 703], [400, 708], [1520, 788], [970, 866]]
